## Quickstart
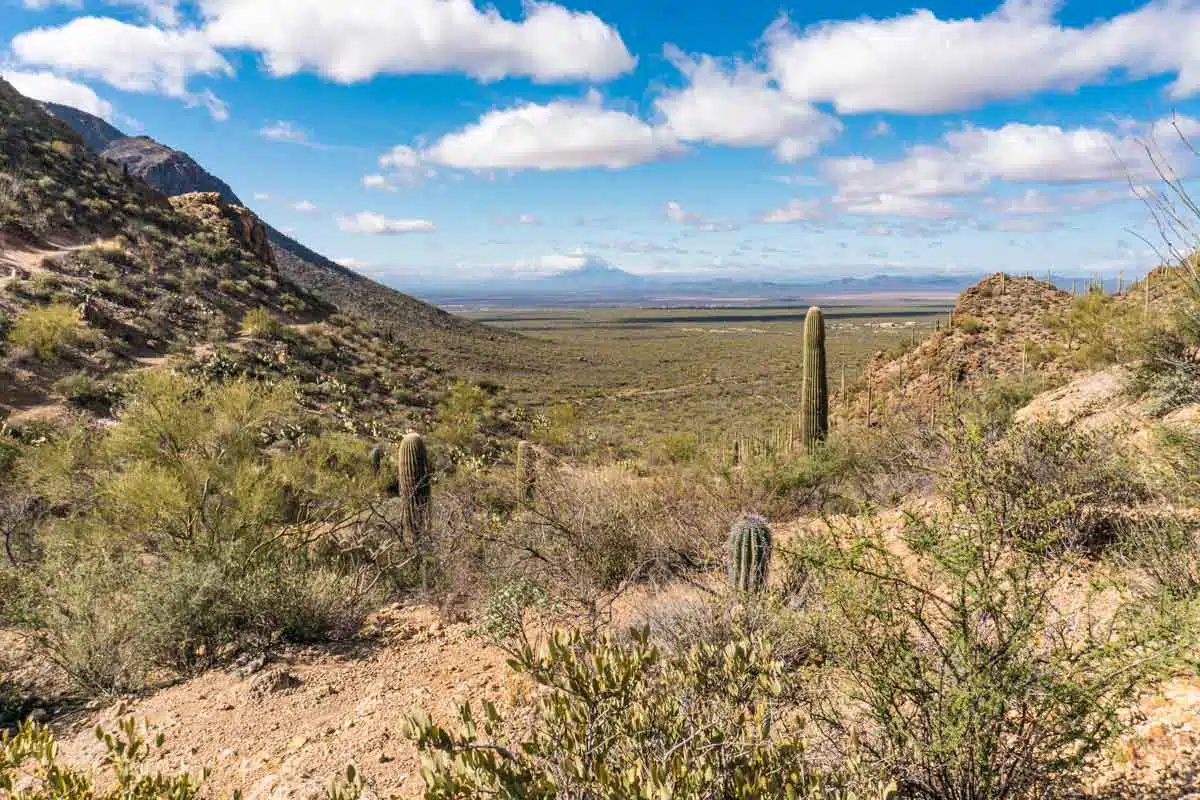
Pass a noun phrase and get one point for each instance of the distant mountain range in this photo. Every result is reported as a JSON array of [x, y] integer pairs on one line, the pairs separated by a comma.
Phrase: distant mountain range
[[604, 284]]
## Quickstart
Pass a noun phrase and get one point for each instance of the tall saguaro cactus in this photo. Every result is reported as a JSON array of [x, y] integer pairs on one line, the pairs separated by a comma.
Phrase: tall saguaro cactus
[[749, 554], [416, 491], [415, 487], [814, 397]]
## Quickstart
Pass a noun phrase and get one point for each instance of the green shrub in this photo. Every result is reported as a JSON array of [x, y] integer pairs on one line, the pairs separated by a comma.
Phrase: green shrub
[[590, 535], [87, 391], [186, 541], [974, 681], [679, 448], [626, 719], [556, 425], [30, 767], [260, 322], [47, 331], [1044, 486], [969, 324], [463, 415], [1168, 370]]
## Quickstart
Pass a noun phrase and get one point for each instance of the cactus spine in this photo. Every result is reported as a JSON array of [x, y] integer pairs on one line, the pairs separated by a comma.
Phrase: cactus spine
[[415, 487], [749, 554], [814, 400], [526, 470]]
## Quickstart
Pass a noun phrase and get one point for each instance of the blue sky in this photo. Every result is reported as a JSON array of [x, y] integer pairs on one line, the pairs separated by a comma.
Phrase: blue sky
[[422, 140]]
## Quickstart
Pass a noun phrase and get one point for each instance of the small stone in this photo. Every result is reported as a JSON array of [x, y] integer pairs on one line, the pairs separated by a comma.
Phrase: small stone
[[274, 681], [384, 758], [297, 743]]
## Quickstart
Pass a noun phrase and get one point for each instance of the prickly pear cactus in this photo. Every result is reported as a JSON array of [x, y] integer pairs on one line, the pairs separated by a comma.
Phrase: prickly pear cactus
[[749, 554], [526, 470], [415, 487], [814, 397]]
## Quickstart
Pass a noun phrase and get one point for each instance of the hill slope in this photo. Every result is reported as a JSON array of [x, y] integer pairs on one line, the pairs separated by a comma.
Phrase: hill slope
[[101, 274], [97, 134], [173, 172], [1007, 326]]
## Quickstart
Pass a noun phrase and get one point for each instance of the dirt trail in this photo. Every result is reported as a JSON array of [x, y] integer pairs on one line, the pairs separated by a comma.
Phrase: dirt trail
[[284, 730], [17, 261]]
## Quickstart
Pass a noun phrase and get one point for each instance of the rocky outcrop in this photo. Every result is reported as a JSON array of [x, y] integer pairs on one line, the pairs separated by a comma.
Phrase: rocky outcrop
[[170, 171], [237, 222]]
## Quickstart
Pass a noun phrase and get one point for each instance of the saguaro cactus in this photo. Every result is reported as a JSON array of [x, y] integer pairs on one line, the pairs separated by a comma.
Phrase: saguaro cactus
[[415, 487], [526, 470], [749, 553], [814, 398]]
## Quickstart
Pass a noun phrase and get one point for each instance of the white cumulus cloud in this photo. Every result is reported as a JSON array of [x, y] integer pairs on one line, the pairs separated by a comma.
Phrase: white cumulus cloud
[[738, 106], [795, 211], [899, 205], [371, 222], [51, 88], [355, 40], [968, 160], [164, 11], [563, 134], [133, 58], [919, 63], [405, 166]]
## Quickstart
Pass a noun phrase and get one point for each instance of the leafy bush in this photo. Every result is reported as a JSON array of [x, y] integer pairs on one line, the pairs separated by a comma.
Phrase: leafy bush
[[1168, 369], [968, 324], [589, 536], [261, 322], [32, 752], [679, 448], [625, 719], [47, 331], [1044, 486], [87, 391], [463, 415], [973, 679], [186, 540], [30, 769]]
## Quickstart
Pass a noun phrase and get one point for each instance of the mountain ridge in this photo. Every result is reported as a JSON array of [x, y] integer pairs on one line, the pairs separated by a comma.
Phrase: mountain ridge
[[174, 172]]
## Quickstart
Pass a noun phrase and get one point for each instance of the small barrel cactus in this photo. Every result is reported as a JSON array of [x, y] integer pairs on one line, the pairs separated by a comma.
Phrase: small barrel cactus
[[749, 553], [526, 470], [814, 398], [415, 484]]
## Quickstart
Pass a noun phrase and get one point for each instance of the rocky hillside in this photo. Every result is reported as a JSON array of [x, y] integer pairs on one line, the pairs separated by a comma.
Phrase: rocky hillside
[[421, 326], [100, 274], [169, 171], [1005, 326], [97, 134]]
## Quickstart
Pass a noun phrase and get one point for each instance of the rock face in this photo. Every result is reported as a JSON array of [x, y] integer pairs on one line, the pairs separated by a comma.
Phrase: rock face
[[170, 171], [238, 222]]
